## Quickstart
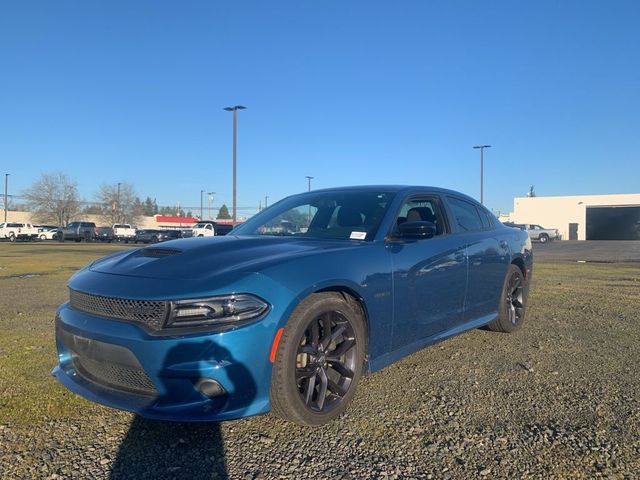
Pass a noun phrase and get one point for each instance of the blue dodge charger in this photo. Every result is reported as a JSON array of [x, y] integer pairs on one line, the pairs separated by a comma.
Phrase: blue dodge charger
[[292, 307]]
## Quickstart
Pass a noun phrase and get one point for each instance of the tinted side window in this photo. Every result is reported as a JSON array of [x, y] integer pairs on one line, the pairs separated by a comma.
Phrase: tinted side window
[[466, 215], [421, 210]]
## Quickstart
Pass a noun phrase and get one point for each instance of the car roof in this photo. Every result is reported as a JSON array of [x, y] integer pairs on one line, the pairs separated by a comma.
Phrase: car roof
[[403, 189]]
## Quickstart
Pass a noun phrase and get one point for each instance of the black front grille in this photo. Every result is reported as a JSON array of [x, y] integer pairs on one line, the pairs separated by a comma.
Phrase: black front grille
[[152, 313], [107, 364], [115, 376]]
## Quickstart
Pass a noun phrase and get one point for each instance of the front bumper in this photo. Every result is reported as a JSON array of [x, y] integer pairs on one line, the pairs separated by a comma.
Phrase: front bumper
[[117, 364]]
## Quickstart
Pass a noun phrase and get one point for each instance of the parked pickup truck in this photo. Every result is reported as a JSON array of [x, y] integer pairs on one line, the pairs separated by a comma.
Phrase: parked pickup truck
[[536, 232], [18, 231], [123, 232], [78, 231], [207, 229]]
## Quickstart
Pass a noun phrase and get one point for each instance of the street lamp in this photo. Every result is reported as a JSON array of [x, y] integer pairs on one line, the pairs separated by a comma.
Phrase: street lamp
[[118, 204], [201, 205], [234, 109], [210, 194], [482, 147], [266, 197], [6, 195], [309, 182]]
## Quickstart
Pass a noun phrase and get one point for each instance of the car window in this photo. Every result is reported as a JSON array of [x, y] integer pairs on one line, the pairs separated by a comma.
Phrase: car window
[[334, 214], [421, 210], [466, 215]]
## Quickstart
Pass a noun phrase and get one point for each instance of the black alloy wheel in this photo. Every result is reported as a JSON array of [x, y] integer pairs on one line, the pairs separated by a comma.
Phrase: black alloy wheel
[[513, 302], [514, 298], [319, 359], [326, 361]]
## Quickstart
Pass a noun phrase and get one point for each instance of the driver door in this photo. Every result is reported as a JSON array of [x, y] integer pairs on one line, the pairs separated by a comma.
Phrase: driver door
[[429, 275]]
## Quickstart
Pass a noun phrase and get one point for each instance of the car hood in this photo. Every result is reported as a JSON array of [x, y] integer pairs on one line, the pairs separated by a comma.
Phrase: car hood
[[199, 258]]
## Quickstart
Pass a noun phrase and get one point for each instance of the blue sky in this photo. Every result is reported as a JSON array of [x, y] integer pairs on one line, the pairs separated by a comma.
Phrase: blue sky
[[350, 92]]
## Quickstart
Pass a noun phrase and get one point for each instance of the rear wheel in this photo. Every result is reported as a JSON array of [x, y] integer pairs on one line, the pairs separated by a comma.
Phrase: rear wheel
[[319, 360], [513, 301], [12, 237], [43, 237]]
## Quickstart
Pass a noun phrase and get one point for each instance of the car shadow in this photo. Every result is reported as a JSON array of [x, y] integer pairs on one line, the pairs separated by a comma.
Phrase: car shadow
[[158, 449]]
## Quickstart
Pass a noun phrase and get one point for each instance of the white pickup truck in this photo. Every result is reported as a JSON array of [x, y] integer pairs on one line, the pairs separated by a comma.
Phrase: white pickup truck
[[203, 229], [123, 231], [18, 231]]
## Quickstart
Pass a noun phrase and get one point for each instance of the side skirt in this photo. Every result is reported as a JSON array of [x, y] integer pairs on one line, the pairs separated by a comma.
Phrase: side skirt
[[391, 357]]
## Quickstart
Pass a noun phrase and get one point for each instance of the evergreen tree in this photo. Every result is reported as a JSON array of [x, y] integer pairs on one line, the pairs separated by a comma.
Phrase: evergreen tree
[[223, 213]]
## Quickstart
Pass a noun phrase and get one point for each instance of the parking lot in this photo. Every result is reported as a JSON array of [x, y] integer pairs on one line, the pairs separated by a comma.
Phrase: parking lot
[[557, 399]]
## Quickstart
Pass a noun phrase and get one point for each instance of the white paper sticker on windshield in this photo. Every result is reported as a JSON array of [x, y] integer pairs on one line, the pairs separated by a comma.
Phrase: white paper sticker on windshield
[[358, 235]]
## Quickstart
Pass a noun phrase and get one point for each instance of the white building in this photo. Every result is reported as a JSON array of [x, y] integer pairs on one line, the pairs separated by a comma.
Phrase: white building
[[582, 217]]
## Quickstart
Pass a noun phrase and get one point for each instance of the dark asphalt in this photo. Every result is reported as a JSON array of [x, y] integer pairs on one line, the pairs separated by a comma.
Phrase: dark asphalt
[[605, 251]]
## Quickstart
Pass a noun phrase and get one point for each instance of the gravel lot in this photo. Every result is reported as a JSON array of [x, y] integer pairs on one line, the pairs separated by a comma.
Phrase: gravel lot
[[558, 399]]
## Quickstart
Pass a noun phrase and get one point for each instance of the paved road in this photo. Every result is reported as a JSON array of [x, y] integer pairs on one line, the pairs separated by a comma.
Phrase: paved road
[[590, 251]]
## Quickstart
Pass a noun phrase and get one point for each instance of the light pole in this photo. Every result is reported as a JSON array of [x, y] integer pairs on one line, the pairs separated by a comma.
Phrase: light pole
[[118, 204], [234, 109], [201, 205], [482, 147], [309, 212], [6, 195], [266, 197], [210, 194]]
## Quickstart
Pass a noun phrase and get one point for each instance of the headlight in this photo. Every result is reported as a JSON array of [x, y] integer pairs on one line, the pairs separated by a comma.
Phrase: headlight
[[216, 310]]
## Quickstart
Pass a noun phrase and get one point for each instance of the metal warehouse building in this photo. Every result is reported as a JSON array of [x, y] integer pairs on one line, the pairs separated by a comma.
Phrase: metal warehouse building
[[583, 217]]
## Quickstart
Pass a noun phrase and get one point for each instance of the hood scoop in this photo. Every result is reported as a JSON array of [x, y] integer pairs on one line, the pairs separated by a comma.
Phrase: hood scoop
[[157, 252]]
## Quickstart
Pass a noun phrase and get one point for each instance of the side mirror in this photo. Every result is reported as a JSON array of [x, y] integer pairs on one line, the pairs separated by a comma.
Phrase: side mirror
[[416, 230]]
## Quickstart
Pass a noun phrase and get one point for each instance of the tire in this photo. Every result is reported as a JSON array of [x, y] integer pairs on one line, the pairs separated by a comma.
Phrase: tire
[[513, 302], [43, 237], [60, 236], [544, 238], [154, 239], [304, 368], [12, 237]]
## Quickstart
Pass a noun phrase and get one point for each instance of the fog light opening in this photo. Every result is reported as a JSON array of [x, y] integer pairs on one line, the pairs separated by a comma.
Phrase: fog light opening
[[210, 388]]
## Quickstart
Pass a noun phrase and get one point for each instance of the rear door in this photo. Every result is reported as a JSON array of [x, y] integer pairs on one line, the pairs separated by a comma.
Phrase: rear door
[[429, 275], [487, 254]]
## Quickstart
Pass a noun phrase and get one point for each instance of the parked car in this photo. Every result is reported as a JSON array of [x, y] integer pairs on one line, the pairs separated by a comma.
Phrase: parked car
[[207, 229], [105, 234], [78, 231], [18, 231], [239, 325], [156, 235], [47, 232], [123, 232], [536, 232]]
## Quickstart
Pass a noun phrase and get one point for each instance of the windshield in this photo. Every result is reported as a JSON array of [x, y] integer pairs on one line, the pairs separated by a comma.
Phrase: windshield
[[353, 215], [201, 225]]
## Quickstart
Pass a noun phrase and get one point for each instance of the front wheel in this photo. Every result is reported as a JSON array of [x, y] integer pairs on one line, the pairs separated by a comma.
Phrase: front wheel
[[319, 360], [544, 238], [513, 302], [12, 237], [43, 237]]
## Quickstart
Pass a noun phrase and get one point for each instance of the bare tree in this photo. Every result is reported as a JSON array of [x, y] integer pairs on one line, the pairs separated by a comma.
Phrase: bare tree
[[53, 198], [119, 205]]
